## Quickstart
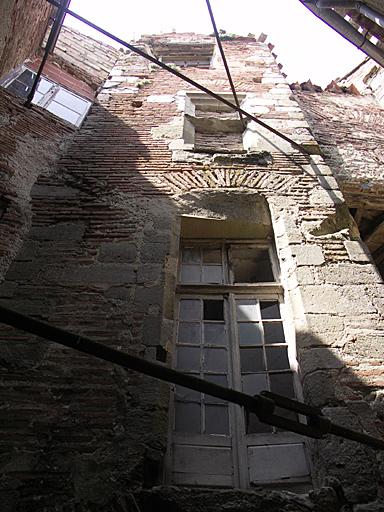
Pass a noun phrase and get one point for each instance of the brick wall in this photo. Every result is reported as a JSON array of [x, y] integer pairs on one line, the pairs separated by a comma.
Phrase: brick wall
[[101, 259], [22, 28]]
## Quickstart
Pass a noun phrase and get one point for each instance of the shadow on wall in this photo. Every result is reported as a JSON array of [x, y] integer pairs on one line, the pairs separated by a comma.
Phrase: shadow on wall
[[79, 434]]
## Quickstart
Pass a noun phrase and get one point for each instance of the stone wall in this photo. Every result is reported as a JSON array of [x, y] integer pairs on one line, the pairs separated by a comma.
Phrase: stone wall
[[31, 141], [101, 260], [22, 27]]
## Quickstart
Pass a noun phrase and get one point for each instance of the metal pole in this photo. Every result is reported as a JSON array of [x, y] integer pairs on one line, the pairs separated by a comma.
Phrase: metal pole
[[261, 405], [221, 49], [48, 49], [184, 77]]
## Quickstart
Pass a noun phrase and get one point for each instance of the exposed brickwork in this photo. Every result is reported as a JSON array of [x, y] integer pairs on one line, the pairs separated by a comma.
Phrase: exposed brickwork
[[101, 259], [30, 144], [53, 71], [22, 27]]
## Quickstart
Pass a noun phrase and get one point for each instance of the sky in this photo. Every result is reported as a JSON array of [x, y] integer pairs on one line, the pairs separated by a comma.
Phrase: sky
[[305, 46]]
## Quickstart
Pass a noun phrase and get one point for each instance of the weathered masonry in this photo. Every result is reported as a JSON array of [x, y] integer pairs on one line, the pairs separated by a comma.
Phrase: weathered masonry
[[164, 227]]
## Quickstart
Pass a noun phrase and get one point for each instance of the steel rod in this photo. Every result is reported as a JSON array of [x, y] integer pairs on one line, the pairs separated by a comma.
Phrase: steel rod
[[262, 406], [221, 49], [52, 38], [183, 77]]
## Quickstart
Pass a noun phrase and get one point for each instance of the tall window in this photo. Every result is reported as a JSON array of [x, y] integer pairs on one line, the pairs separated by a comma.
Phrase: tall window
[[232, 329], [49, 95]]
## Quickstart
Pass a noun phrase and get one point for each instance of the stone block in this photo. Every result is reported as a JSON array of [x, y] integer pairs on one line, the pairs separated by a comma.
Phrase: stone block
[[117, 252], [315, 359], [321, 197], [352, 300], [308, 255], [100, 274], [149, 273], [152, 331], [357, 251], [153, 252], [119, 293], [342, 273], [59, 231], [146, 297]]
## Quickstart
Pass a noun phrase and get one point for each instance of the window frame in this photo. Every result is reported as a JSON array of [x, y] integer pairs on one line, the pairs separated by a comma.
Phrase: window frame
[[49, 96], [229, 292]]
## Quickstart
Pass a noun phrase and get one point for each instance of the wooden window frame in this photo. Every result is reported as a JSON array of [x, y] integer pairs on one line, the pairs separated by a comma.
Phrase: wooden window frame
[[230, 292]]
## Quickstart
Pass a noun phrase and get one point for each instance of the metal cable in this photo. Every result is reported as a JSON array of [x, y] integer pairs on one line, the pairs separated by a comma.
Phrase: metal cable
[[183, 77], [262, 405], [221, 49]]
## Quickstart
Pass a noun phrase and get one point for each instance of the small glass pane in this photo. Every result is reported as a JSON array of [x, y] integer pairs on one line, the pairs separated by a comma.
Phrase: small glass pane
[[190, 309], [255, 426], [251, 265], [187, 395], [254, 383], [190, 274], [216, 419], [44, 85], [27, 77], [212, 256], [37, 97], [71, 101], [249, 333], [19, 88], [252, 360], [273, 332], [213, 310], [63, 112], [212, 274], [277, 358], [215, 360], [189, 333], [191, 255], [221, 380], [187, 417], [247, 310], [282, 384], [215, 334], [270, 310], [188, 358]]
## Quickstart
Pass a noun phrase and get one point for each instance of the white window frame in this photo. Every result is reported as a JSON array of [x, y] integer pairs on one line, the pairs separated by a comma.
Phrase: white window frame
[[240, 441], [48, 97]]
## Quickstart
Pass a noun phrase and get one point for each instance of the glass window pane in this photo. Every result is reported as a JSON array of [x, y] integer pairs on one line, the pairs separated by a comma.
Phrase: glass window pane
[[215, 360], [188, 358], [212, 256], [213, 309], [251, 265], [277, 358], [270, 310], [254, 383], [189, 332], [37, 97], [212, 274], [190, 274], [187, 417], [63, 112], [216, 419], [215, 334], [221, 380], [254, 425], [249, 333], [19, 88], [191, 255], [190, 309], [187, 395], [282, 384], [27, 77], [71, 101], [273, 332], [252, 360], [44, 85], [247, 309]]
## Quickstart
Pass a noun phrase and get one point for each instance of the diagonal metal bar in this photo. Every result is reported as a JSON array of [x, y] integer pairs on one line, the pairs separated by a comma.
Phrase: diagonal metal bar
[[59, 17], [174, 72], [221, 49], [261, 405]]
